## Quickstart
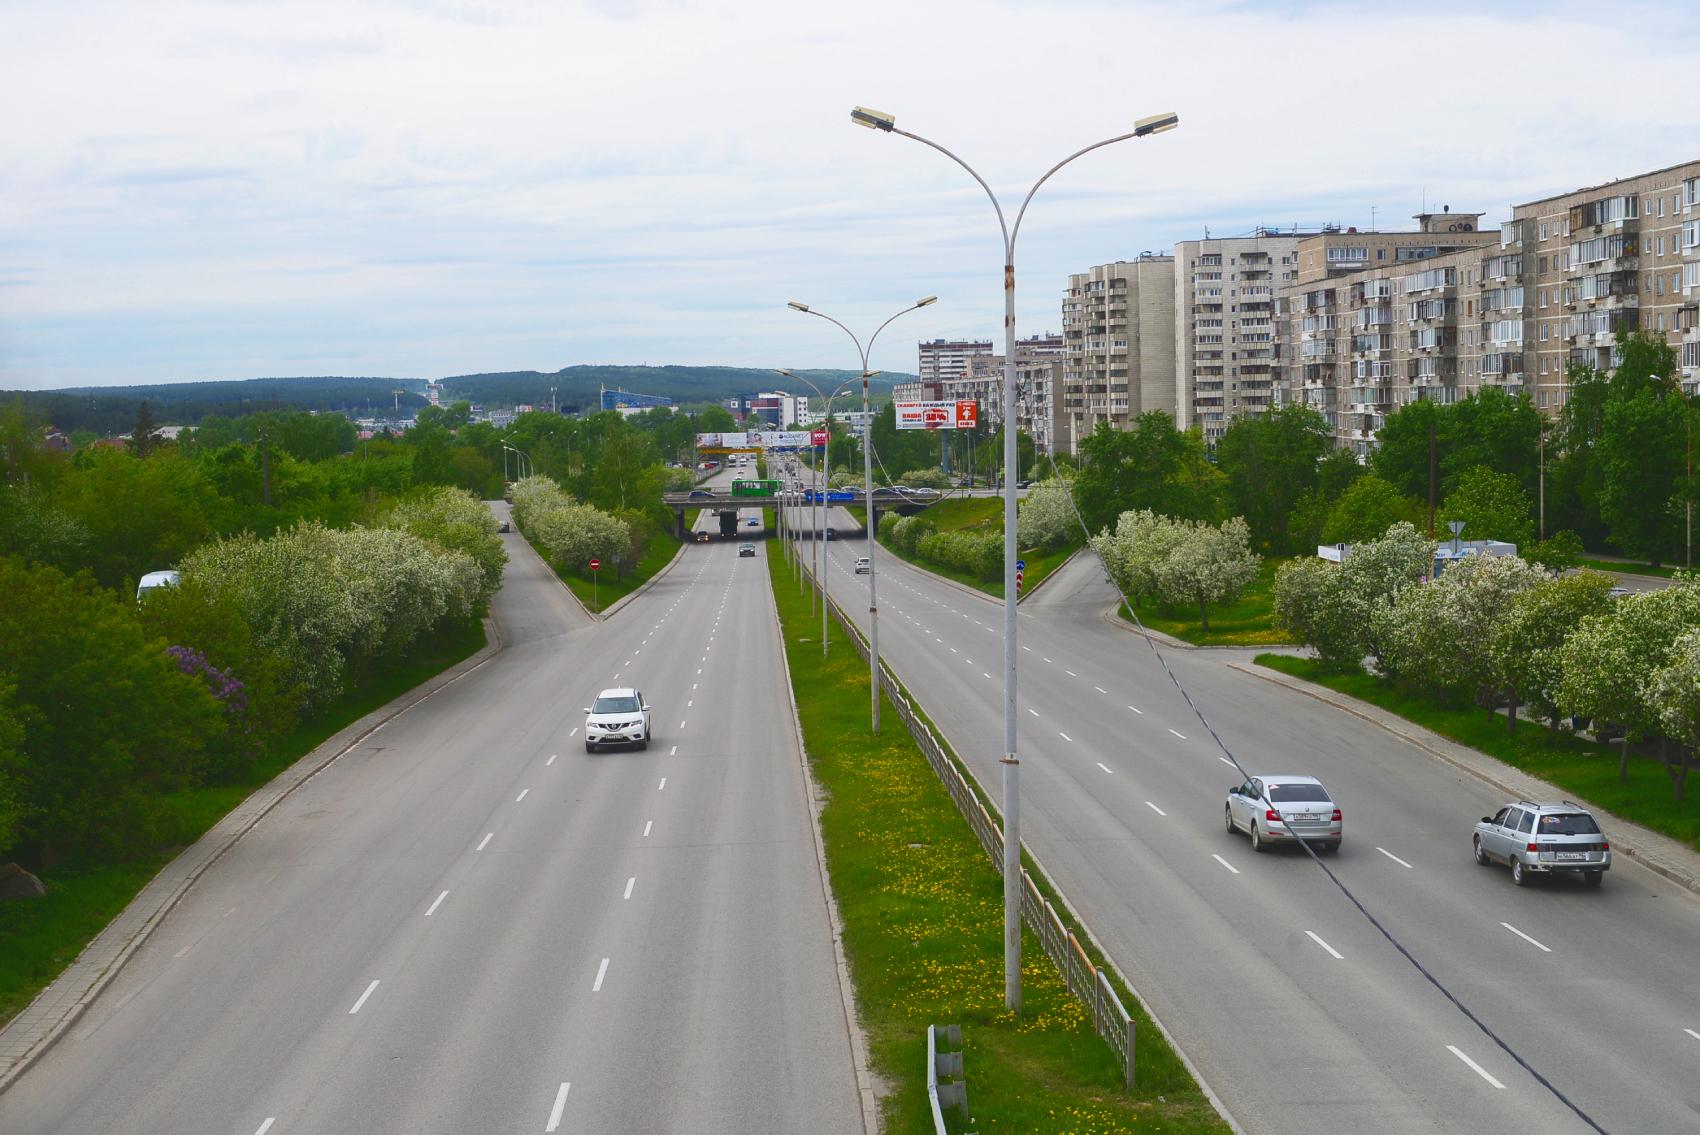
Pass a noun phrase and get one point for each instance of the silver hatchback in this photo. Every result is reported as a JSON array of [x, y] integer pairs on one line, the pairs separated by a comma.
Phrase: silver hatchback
[[1282, 809], [1543, 839]]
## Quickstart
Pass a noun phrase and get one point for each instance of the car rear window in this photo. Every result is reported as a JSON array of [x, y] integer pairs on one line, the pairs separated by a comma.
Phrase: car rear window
[[1295, 793], [614, 705], [1568, 823]]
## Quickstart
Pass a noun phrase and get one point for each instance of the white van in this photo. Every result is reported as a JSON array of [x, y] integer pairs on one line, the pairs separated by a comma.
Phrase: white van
[[157, 579]]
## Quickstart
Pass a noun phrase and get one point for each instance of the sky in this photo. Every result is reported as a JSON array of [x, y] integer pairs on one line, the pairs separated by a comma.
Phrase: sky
[[247, 188]]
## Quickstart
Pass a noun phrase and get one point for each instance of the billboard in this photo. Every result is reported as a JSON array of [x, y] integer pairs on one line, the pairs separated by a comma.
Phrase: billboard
[[752, 440], [946, 415]]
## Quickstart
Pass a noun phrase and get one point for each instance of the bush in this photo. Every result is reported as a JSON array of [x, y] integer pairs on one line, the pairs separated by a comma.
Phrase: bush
[[924, 479], [906, 532], [979, 554], [1045, 517], [457, 521]]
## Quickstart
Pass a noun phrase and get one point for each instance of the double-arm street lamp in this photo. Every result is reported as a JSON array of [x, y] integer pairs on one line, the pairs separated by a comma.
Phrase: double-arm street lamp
[[521, 460], [885, 123], [821, 482], [868, 487]]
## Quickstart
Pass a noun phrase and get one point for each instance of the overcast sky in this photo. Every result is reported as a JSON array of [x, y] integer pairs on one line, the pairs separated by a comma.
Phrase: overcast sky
[[239, 189]]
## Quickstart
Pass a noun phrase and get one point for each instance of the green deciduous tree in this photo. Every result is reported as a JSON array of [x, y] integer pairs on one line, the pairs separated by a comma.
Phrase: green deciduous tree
[[1640, 455], [1270, 462], [1493, 506], [1525, 646], [1366, 510], [1151, 465]]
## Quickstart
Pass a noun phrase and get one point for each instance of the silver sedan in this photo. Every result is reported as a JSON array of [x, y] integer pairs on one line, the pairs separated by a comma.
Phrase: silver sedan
[[1284, 808]]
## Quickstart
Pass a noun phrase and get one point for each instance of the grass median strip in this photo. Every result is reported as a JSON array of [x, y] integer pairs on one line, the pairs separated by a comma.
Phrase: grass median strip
[[1571, 763], [923, 931]]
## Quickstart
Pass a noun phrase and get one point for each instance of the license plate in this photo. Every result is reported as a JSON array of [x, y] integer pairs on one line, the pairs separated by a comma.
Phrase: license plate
[[1572, 855]]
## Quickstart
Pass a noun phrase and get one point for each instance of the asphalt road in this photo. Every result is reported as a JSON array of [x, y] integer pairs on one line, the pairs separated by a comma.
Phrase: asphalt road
[[468, 913], [1297, 1012]]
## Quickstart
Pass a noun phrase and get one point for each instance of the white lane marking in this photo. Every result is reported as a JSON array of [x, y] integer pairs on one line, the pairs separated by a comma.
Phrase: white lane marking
[[1101, 689], [1029, 649], [1065, 736], [184, 950], [1692, 1033], [693, 685], [601, 972], [1048, 660], [1104, 766], [1155, 809], [647, 824], [630, 883], [1071, 673], [681, 726], [1477, 1068], [1137, 710], [1226, 761], [484, 841], [551, 760], [363, 997], [699, 672], [1526, 938], [1182, 736], [1311, 934], [575, 728], [983, 674], [1033, 711], [432, 909], [674, 751], [560, 1105], [690, 703], [1225, 863], [521, 795], [662, 787], [1395, 858], [267, 1125], [953, 650]]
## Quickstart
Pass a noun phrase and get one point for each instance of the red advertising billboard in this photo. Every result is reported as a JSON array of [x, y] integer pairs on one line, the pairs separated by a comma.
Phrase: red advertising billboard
[[961, 414]]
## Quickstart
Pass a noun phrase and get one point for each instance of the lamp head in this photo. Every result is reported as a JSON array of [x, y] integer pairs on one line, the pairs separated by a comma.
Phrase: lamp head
[[783, 371], [925, 302], [1156, 124], [873, 119], [796, 305]]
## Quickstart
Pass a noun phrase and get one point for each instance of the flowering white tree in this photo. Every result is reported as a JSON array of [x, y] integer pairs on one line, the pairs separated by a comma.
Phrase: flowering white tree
[[534, 496], [1210, 564], [1142, 540], [456, 520], [1045, 518], [1675, 690], [1435, 637], [1376, 571], [1525, 645], [574, 533]]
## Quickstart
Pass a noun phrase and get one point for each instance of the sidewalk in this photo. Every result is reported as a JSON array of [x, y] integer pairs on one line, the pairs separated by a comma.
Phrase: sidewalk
[[33, 1031], [1658, 853]]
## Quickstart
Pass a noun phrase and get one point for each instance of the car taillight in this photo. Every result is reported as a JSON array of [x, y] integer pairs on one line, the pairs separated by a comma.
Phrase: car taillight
[[1272, 816], [1533, 847], [1336, 816], [1604, 846]]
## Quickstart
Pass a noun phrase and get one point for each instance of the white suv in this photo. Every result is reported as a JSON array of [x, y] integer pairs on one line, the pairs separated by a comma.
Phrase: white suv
[[617, 717]]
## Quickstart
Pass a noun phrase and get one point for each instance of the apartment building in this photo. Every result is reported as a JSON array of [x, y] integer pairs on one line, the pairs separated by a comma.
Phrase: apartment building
[[1225, 290], [982, 379], [1118, 346], [942, 360], [1374, 320], [1599, 262]]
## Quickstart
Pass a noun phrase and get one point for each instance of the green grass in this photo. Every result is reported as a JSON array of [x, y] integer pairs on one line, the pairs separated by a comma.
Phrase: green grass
[[985, 514], [1574, 765], [1248, 621], [604, 591], [39, 939], [1632, 568], [923, 919]]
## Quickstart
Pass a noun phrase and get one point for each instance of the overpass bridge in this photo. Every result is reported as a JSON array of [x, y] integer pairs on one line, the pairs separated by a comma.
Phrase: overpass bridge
[[722, 501]]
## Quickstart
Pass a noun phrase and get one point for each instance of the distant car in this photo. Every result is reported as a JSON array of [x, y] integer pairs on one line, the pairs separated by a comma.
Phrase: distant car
[[1282, 808], [701, 494], [864, 566], [832, 533], [504, 526], [753, 522], [1618, 592], [1543, 839], [154, 580], [1024, 484], [746, 550], [618, 716], [702, 537]]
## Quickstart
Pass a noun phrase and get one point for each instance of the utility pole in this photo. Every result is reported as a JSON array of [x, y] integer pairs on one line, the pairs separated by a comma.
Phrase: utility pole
[[1433, 468], [1543, 481]]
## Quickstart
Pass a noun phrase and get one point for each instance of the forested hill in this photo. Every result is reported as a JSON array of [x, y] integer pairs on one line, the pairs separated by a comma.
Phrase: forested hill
[[112, 409], [577, 386]]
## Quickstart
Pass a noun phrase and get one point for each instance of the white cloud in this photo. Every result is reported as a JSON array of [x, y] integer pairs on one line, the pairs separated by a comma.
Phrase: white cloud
[[428, 189]]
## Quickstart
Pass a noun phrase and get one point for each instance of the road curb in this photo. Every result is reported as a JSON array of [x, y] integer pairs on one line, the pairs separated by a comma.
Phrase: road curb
[[647, 584], [865, 1089], [1638, 843], [50, 1015]]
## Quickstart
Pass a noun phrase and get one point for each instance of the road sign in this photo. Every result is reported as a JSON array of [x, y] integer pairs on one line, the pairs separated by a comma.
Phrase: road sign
[[595, 564], [1020, 565], [1018, 585], [817, 437]]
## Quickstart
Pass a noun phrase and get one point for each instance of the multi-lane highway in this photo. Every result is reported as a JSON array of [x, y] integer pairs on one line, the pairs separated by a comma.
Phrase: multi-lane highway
[[469, 924], [1297, 1013]]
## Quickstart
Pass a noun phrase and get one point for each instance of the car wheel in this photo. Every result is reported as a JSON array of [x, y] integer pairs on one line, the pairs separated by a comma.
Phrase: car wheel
[[644, 744], [1331, 846], [1594, 878], [590, 746], [1257, 843], [1518, 875], [1228, 815], [1481, 856]]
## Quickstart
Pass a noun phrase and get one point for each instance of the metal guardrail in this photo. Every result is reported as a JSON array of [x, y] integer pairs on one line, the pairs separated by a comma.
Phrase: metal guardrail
[[1085, 980], [953, 1093]]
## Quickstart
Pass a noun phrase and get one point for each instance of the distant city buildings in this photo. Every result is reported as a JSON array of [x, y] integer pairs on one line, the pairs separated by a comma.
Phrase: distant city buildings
[[1118, 346], [627, 400], [943, 360]]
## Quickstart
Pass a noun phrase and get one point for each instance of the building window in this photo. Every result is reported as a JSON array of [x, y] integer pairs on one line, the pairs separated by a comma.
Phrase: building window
[[1543, 399], [1342, 254], [1543, 230]]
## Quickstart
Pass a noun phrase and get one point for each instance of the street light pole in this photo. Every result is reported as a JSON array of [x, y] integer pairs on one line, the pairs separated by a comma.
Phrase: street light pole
[[868, 490], [1156, 124], [818, 557]]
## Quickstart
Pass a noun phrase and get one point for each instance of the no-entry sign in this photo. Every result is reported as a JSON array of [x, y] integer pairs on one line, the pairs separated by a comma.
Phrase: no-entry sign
[[595, 564]]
